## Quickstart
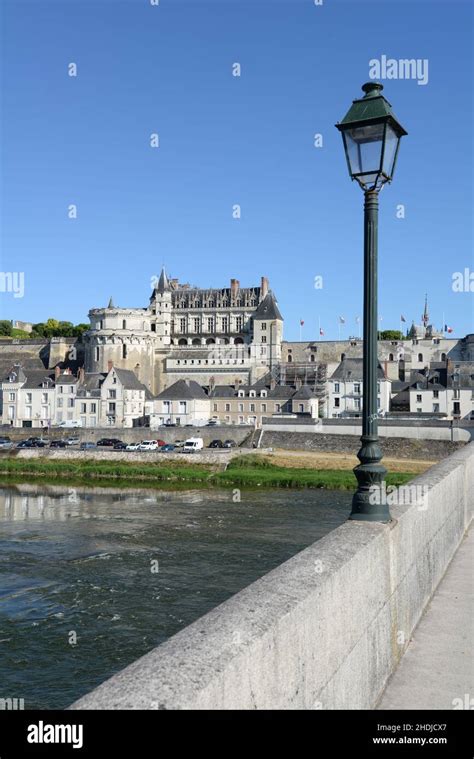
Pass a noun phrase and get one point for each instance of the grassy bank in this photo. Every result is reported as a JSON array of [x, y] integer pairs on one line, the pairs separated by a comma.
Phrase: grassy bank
[[244, 471]]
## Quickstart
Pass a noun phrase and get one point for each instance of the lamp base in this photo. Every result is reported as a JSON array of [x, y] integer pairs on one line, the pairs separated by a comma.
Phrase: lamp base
[[369, 503]]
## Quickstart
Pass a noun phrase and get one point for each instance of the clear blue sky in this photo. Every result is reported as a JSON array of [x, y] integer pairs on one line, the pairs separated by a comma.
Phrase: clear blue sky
[[226, 140]]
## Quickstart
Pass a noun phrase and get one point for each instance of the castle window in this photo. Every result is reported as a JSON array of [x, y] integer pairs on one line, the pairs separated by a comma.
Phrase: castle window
[[263, 394], [238, 324], [124, 324], [443, 357], [210, 324], [182, 341], [290, 358], [390, 356], [420, 357], [124, 351], [264, 325], [97, 353], [153, 327], [312, 357], [182, 325]]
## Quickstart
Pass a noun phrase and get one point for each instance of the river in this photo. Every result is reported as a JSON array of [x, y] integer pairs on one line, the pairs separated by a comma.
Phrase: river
[[91, 579]]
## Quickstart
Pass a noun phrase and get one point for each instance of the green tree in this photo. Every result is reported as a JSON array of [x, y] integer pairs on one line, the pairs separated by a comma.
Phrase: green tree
[[391, 334], [5, 328]]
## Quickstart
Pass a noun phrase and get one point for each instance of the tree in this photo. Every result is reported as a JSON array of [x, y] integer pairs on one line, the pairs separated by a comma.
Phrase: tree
[[5, 328], [391, 334]]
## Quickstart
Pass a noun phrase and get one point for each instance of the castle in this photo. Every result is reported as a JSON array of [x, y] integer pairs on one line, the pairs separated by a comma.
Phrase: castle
[[227, 335]]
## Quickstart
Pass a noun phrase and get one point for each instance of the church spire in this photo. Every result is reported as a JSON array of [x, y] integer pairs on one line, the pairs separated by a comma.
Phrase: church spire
[[426, 316], [111, 303]]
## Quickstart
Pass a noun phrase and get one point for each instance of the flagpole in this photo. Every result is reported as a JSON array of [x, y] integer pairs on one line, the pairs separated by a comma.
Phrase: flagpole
[[319, 327], [443, 325]]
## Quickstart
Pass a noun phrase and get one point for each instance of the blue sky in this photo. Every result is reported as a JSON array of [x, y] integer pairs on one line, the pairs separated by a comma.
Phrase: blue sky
[[226, 140]]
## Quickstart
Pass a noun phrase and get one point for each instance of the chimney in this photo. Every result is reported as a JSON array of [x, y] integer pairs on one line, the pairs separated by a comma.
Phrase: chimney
[[273, 383], [57, 371], [234, 287], [109, 365], [81, 375], [264, 287]]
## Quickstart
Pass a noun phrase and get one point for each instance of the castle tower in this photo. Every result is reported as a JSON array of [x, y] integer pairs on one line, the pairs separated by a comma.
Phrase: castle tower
[[161, 318], [267, 336]]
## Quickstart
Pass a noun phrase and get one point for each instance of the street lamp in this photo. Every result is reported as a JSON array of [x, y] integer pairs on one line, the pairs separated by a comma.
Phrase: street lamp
[[371, 136]]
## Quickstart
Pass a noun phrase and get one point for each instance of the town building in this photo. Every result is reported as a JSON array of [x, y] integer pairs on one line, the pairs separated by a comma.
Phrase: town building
[[346, 387]]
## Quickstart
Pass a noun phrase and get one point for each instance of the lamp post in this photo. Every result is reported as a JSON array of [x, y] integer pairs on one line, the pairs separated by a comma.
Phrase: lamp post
[[371, 136]]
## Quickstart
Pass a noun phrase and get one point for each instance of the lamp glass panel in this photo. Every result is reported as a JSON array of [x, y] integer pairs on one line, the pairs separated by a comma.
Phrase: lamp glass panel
[[364, 148], [391, 142]]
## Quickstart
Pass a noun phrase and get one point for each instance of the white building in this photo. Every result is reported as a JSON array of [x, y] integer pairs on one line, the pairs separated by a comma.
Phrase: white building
[[439, 391], [345, 390], [184, 402]]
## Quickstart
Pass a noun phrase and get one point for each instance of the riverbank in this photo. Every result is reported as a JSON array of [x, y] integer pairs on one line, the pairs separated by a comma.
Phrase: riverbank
[[251, 471]]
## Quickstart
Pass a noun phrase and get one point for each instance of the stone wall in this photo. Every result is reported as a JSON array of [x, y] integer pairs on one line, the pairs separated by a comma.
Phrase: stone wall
[[398, 447], [324, 630]]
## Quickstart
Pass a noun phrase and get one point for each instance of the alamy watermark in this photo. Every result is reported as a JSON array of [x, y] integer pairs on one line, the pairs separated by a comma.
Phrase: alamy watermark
[[403, 495], [12, 282], [403, 68]]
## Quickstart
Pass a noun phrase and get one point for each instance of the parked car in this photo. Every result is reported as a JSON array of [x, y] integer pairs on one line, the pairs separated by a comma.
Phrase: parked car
[[178, 443], [160, 443], [72, 440], [25, 444], [230, 444], [148, 445], [167, 448], [120, 446], [70, 423], [5, 442], [193, 444], [108, 442], [216, 444], [133, 447], [58, 444], [87, 446], [214, 423]]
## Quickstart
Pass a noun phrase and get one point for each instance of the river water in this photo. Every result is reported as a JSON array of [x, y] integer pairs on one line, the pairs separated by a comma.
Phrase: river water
[[91, 579]]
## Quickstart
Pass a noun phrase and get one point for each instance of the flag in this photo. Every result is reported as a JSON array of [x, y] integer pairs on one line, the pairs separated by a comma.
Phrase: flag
[[301, 322], [342, 320], [402, 318], [321, 331], [448, 329]]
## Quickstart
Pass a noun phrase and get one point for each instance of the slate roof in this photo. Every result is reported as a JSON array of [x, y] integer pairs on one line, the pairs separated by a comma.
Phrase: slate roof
[[351, 369], [304, 393], [268, 309], [183, 389], [129, 379]]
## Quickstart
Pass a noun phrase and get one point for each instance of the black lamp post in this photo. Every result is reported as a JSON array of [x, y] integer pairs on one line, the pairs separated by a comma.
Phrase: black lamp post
[[371, 136]]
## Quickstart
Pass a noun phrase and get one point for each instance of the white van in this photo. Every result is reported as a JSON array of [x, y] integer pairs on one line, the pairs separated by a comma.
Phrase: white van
[[193, 444], [70, 423]]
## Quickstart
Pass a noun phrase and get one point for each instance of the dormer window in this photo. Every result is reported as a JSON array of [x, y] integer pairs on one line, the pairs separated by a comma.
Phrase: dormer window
[[241, 394], [263, 394], [252, 394]]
